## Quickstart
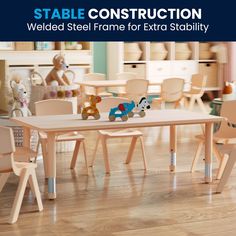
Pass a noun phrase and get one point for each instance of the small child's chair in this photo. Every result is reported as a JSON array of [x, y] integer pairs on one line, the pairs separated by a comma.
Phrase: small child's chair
[[136, 88], [171, 91], [59, 107], [223, 135], [103, 135], [25, 171], [198, 83], [121, 91]]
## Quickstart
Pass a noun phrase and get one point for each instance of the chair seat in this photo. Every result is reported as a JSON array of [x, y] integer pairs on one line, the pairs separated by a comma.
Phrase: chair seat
[[227, 148], [121, 133], [187, 94], [215, 138], [26, 165], [71, 136], [23, 154]]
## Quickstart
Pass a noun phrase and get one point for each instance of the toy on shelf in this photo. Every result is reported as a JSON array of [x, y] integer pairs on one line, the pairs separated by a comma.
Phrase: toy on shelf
[[57, 75], [121, 111], [91, 110], [20, 99], [140, 108]]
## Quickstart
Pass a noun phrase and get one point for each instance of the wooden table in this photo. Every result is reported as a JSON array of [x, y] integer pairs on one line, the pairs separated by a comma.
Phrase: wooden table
[[97, 84], [53, 125]]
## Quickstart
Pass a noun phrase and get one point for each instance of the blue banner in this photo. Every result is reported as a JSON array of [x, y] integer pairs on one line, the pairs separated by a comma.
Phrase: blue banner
[[118, 20]]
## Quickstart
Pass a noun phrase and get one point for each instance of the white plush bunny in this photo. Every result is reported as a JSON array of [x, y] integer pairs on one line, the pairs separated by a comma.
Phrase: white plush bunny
[[20, 99]]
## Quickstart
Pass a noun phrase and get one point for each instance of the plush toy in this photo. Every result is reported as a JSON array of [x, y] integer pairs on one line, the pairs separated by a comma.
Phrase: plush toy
[[57, 75], [91, 110], [20, 99], [122, 111], [140, 108]]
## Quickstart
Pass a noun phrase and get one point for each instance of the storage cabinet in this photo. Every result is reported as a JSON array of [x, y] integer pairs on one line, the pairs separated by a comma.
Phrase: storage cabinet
[[160, 70], [22, 63], [210, 70], [139, 69], [149, 68]]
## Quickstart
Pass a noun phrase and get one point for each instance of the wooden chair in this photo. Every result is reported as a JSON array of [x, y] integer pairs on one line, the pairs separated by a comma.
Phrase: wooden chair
[[136, 88], [121, 91], [91, 91], [59, 107], [230, 150], [25, 171], [171, 91], [223, 135], [198, 83], [104, 135]]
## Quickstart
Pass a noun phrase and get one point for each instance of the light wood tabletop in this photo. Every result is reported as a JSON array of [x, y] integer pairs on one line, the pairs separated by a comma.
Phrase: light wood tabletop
[[98, 84], [53, 125], [110, 83], [62, 123]]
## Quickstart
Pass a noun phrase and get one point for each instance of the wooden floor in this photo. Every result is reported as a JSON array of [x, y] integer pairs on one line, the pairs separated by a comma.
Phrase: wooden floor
[[129, 201]]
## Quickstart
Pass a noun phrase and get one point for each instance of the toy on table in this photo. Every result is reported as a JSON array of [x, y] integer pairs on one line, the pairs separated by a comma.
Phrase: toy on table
[[57, 75], [121, 111], [140, 108], [20, 99], [91, 110]]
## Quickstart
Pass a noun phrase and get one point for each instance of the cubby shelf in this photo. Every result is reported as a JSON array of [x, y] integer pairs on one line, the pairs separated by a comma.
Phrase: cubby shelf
[[21, 63], [154, 69]]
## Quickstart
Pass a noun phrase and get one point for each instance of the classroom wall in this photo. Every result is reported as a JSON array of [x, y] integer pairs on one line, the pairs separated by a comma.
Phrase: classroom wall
[[100, 57]]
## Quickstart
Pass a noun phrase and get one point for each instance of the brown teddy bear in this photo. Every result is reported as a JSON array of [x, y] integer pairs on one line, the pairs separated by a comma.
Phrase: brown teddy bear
[[57, 75]]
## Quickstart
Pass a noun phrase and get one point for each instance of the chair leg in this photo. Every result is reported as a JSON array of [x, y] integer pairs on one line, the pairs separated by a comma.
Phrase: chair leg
[[197, 155], [35, 188], [105, 154], [30, 183], [227, 171], [95, 150], [201, 105], [37, 151], [131, 150], [85, 156], [143, 153], [75, 154], [191, 103], [221, 167], [3, 179], [44, 153], [19, 196], [217, 153]]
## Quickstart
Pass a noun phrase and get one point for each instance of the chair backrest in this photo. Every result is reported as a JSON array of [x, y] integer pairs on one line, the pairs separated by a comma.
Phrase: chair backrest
[[172, 89], [92, 77], [53, 107], [136, 88], [228, 110], [7, 148], [107, 103], [123, 76], [198, 83]]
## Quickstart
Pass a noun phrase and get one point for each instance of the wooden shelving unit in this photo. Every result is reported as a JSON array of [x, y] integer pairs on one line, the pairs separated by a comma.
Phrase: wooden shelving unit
[[21, 63], [158, 70]]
